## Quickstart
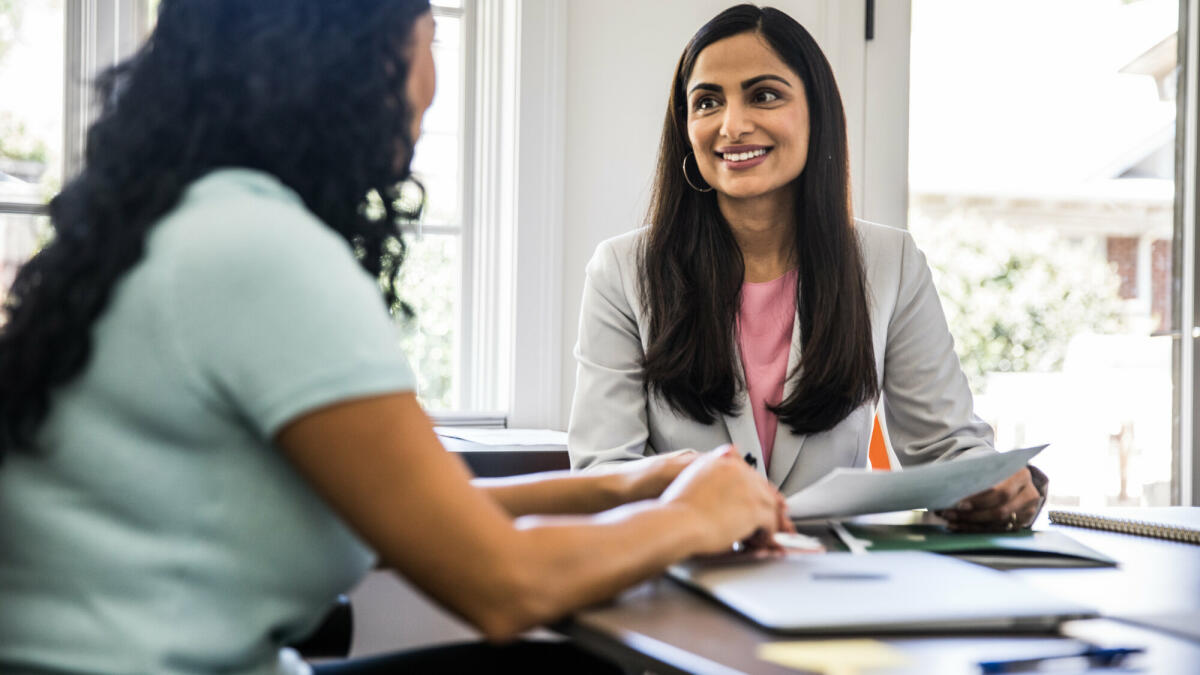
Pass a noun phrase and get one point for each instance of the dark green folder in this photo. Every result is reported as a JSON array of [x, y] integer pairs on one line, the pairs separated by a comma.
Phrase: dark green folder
[[1004, 550]]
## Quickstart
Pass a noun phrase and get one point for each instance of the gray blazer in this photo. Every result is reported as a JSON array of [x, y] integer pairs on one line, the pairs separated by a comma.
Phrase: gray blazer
[[927, 402]]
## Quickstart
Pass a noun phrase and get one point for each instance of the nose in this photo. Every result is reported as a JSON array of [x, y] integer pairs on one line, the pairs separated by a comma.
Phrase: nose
[[736, 122]]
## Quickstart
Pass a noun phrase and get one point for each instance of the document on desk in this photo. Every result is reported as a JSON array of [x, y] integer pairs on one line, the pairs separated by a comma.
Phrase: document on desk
[[940, 485], [512, 437]]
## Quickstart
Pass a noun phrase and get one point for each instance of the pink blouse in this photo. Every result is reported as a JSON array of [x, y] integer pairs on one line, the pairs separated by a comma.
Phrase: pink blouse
[[764, 334]]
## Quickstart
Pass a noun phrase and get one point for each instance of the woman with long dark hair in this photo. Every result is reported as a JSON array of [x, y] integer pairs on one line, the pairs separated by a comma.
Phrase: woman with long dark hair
[[754, 308], [206, 429]]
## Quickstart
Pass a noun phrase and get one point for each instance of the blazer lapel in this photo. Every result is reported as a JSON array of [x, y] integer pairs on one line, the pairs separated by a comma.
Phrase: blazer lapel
[[740, 425], [787, 444]]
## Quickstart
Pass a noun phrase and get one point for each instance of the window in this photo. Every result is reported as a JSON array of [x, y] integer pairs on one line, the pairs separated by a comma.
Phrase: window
[[42, 130], [1042, 191], [42, 133], [31, 125], [431, 277]]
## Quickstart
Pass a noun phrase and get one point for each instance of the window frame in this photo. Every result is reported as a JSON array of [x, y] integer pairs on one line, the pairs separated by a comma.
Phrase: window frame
[[513, 241], [1185, 470], [1186, 354], [100, 33]]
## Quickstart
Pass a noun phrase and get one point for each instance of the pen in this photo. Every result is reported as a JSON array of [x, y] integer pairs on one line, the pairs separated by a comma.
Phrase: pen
[[1095, 656]]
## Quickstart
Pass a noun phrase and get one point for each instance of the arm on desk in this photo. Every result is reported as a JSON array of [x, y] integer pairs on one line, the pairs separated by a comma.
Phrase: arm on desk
[[561, 492], [378, 463]]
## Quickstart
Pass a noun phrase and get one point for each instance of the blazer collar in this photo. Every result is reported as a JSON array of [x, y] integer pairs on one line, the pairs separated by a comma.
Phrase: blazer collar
[[787, 444], [740, 425], [744, 434]]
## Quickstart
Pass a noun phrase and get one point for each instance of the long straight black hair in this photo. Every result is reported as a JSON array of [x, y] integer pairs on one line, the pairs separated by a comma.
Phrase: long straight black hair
[[310, 91], [691, 267]]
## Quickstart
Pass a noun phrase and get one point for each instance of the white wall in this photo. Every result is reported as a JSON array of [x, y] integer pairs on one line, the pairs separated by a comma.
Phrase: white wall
[[620, 56]]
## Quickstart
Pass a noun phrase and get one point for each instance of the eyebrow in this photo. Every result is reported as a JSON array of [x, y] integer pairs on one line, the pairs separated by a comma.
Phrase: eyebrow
[[746, 84]]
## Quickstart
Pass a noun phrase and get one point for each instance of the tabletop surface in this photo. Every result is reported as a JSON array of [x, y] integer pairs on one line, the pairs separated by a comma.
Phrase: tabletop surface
[[665, 628]]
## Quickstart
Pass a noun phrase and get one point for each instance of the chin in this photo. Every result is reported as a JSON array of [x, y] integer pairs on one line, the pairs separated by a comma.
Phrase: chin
[[744, 191]]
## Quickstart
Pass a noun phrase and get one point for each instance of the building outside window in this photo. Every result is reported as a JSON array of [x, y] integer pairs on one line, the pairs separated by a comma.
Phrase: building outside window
[[1042, 150]]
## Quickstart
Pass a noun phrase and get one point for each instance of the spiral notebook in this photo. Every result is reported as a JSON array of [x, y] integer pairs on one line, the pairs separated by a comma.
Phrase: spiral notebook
[[1179, 523]]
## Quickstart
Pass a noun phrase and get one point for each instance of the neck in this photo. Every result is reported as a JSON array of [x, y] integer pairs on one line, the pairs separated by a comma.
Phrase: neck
[[763, 228]]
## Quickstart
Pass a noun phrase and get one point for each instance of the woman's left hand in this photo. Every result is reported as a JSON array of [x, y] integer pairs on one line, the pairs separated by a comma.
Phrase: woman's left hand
[[1009, 505]]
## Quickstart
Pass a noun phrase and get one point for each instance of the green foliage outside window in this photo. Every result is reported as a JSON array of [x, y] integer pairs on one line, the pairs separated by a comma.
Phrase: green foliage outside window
[[429, 284], [16, 143], [15, 140], [10, 24], [1015, 298]]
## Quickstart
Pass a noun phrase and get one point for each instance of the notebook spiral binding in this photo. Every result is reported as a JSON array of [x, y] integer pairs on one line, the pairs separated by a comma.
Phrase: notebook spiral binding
[[1127, 526]]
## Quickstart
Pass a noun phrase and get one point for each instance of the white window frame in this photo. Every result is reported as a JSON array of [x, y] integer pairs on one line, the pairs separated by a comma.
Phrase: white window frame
[[465, 411], [512, 234], [99, 34], [1187, 179]]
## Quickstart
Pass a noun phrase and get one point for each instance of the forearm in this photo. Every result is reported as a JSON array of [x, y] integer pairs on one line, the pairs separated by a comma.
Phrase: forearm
[[561, 492], [563, 571], [379, 464], [557, 492]]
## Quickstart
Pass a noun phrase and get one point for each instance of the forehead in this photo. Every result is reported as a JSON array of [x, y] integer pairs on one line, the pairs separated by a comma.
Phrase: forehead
[[736, 58]]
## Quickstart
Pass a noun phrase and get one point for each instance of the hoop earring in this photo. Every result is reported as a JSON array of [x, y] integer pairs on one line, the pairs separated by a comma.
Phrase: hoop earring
[[689, 180]]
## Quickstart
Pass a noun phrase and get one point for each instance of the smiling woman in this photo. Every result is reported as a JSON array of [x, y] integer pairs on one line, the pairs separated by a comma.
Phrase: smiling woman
[[753, 98], [754, 308], [744, 112]]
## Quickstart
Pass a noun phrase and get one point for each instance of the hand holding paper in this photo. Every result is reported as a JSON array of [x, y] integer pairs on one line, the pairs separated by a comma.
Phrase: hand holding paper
[[1009, 505], [939, 485]]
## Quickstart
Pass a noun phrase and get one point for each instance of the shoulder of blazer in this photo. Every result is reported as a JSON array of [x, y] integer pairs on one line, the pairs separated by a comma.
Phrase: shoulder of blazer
[[885, 250], [880, 242], [890, 260], [622, 249], [615, 264]]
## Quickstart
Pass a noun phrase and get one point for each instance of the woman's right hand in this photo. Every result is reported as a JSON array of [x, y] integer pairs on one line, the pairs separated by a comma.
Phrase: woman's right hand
[[732, 501]]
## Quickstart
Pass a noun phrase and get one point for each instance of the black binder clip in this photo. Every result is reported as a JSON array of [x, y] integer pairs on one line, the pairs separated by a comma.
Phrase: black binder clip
[[751, 460]]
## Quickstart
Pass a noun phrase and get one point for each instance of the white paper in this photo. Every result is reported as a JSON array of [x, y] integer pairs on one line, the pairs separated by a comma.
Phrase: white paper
[[940, 485], [505, 436]]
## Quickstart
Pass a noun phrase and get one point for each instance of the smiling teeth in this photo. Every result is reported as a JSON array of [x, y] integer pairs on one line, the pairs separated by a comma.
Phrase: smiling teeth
[[743, 156]]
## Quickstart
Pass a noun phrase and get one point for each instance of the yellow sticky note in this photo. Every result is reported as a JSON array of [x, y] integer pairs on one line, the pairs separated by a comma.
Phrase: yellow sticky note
[[833, 657]]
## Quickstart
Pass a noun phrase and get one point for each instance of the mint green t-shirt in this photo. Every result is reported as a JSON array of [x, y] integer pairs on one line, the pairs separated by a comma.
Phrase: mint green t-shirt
[[157, 529]]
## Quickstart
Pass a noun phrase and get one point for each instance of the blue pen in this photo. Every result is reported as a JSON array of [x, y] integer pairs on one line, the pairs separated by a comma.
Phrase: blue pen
[[1103, 657]]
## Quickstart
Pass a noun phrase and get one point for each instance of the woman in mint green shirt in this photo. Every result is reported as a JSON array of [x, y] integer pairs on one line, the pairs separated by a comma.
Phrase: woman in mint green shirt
[[206, 428]]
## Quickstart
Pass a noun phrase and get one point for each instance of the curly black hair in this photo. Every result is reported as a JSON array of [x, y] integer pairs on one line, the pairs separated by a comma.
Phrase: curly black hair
[[311, 91]]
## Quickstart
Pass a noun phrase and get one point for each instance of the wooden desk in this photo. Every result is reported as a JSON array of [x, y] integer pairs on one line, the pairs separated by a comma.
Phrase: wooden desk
[[661, 627]]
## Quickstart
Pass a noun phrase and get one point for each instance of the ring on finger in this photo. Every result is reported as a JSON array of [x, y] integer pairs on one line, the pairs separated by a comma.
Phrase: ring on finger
[[1012, 522]]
